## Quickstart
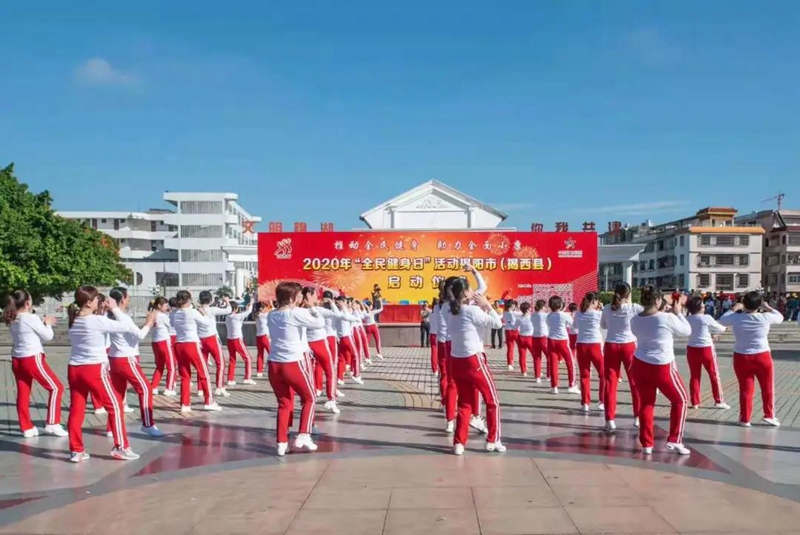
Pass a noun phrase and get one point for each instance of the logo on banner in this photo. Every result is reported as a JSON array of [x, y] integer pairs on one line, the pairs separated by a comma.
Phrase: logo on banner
[[284, 249], [569, 250]]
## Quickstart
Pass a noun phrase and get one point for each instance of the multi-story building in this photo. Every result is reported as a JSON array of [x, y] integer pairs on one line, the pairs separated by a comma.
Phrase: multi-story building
[[707, 251], [781, 254], [207, 241]]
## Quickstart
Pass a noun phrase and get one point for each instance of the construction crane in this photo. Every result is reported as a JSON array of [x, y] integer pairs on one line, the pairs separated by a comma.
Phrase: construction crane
[[779, 198]]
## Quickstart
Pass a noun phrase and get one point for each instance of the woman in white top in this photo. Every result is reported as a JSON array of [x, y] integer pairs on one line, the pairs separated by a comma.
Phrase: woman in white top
[[589, 349], [434, 328], [371, 326], [262, 335], [654, 367], [510, 330], [88, 372], [210, 343], [317, 337], [289, 371], [360, 335], [124, 360], [469, 368], [700, 353], [162, 348], [539, 339], [187, 320], [618, 351], [524, 328], [558, 323], [572, 330], [28, 363], [235, 339], [750, 321], [347, 345]]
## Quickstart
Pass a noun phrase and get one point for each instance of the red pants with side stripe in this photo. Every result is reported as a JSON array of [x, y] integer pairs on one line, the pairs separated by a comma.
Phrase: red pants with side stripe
[[524, 344], [348, 355], [126, 370], [511, 341], [188, 356], [35, 368], [165, 359], [448, 388], [559, 350], [615, 357], [375, 333], [288, 379], [749, 368], [211, 345], [539, 348], [262, 348], [323, 367], [93, 379], [471, 374], [663, 377], [590, 355], [236, 346], [362, 342], [699, 358], [434, 355]]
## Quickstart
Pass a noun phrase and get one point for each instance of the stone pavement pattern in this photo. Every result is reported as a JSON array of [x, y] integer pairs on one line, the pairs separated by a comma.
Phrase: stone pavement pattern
[[383, 465]]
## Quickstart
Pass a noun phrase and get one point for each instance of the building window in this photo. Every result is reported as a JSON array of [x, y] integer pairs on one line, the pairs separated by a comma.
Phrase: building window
[[201, 231], [792, 259], [102, 220], [166, 279], [642, 265], [773, 260], [784, 240], [651, 264], [794, 278], [202, 279], [681, 241], [773, 279], [743, 280], [682, 280], [724, 282], [725, 240], [794, 240], [681, 259], [199, 255], [703, 280], [201, 207]]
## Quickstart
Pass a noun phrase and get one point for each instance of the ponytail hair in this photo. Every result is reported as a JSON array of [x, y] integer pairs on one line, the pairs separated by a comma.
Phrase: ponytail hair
[[650, 294], [695, 305], [572, 307], [540, 304], [157, 303], [621, 291], [182, 297], [16, 300], [555, 303], [83, 296], [205, 297], [525, 307], [455, 289], [588, 299]]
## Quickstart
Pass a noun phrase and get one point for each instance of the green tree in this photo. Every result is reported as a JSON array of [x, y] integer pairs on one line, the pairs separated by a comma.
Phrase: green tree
[[47, 254]]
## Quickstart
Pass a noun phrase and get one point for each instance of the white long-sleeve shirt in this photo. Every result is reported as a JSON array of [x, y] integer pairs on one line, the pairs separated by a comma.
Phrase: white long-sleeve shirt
[[618, 323], [87, 336], [321, 333], [172, 331], [27, 332], [285, 331], [234, 323], [187, 321], [557, 325], [126, 344], [261, 325], [703, 327], [750, 331], [524, 325], [208, 327], [539, 321], [654, 336], [441, 333], [572, 329], [465, 336], [369, 315], [344, 324], [161, 328], [509, 321], [434, 319], [588, 324]]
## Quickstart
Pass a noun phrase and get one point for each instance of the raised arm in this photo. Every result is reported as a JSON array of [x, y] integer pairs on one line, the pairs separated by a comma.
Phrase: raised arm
[[713, 326], [307, 318], [44, 331], [679, 325], [220, 311], [376, 311], [125, 319], [727, 319], [119, 326], [486, 319]]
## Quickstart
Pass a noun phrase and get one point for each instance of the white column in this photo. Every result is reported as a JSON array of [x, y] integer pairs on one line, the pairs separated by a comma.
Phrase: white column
[[240, 282], [627, 272]]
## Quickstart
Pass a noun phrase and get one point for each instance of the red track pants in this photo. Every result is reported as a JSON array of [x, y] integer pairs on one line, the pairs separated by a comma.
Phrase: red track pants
[[448, 390], [524, 344], [373, 331], [188, 355], [288, 378], [699, 358], [749, 368], [511, 341], [591, 355], [93, 379], [434, 354], [165, 359], [363, 342], [35, 368], [324, 366], [616, 356], [348, 355], [262, 347], [211, 345], [663, 377], [539, 348], [126, 370], [471, 374], [559, 350], [236, 346]]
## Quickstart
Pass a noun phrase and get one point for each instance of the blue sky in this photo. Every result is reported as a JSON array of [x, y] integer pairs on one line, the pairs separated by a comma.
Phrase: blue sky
[[318, 111]]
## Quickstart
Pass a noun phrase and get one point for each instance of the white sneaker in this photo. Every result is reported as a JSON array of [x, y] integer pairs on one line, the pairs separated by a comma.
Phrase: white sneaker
[[358, 380], [524, 374], [744, 424], [100, 412], [368, 362], [538, 380], [379, 356], [200, 394], [477, 423], [510, 368], [319, 393], [450, 428], [554, 390], [213, 407], [259, 376], [282, 448], [722, 406], [79, 457], [636, 422], [436, 374], [186, 409], [458, 449], [495, 446], [109, 434], [331, 406], [347, 367], [680, 449], [303, 441], [231, 383], [127, 409], [170, 393], [574, 390], [620, 380], [55, 430], [248, 382], [222, 392], [585, 407], [153, 431], [124, 454], [611, 426], [340, 382], [772, 421], [647, 451], [339, 394], [601, 407], [155, 391], [695, 407], [30, 433]]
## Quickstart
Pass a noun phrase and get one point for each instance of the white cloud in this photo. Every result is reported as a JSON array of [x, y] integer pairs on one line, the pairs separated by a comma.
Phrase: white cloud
[[98, 72], [643, 208], [651, 47]]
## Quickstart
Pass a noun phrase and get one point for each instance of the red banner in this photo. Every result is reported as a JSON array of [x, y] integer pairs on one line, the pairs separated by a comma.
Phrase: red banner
[[407, 265]]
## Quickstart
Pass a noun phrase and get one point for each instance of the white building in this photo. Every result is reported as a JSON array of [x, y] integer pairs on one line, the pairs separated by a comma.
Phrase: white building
[[781, 254], [204, 243]]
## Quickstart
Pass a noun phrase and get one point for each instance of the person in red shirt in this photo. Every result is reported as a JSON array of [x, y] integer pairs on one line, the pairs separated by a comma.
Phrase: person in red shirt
[[676, 295]]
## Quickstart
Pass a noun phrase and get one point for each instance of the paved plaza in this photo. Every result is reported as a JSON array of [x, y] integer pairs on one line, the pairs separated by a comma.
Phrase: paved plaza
[[384, 465]]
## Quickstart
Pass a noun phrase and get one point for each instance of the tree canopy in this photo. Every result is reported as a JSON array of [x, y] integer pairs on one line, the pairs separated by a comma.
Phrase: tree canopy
[[47, 254]]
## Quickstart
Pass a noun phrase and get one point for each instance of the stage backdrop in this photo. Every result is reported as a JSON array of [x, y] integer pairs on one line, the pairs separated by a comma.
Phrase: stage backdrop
[[408, 265]]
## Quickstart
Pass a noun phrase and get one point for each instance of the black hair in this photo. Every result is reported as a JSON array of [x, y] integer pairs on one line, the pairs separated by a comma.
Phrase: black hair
[[621, 291], [182, 297], [695, 305], [587, 301], [156, 303], [456, 288], [16, 300], [205, 297], [327, 294], [525, 307], [118, 293], [173, 302], [572, 307], [752, 300], [650, 294], [540, 304], [555, 303]]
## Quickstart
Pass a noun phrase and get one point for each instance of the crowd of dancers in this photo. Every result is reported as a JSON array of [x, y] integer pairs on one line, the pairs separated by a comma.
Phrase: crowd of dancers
[[308, 343]]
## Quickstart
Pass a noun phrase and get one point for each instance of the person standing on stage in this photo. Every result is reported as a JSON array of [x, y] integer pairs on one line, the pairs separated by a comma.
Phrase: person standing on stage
[[371, 312]]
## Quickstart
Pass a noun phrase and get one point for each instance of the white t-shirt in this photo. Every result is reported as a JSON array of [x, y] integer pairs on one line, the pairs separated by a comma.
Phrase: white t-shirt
[[654, 343], [161, 328], [524, 325], [703, 327], [208, 327], [618, 323], [186, 322], [509, 321], [126, 344], [557, 324], [588, 324], [285, 330], [87, 336], [27, 332], [539, 321], [750, 331], [466, 339]]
